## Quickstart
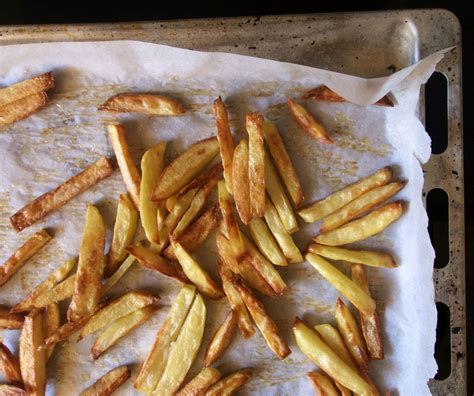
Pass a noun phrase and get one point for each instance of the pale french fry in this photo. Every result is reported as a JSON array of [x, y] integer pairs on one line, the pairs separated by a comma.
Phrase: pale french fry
[[155, 362], [240, 181], [51, 322], [319, 209], [161, 214], [370, 258], [368, 323], [264, 322], [224, 136], [10, 320], [107, 384], [201, 382], [266, 243], [125, 226], [170, 203], [221, 339], [22, 108], [153, 104], [320, 353], [10, 390], [9, 365], [333, 339], [120, 328], [342, 283], [254, 125], [88, 283], [308, 123], [32, 358], [22, 89], [322, 384], [19, 258], [185, 167], [364, 227], [214, 172], [228, 385], [54, 199], [112, 281], [328, 95], [360, 205], [283, 163]]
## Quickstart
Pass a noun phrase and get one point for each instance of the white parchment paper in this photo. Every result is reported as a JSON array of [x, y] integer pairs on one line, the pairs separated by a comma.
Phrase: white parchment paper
[[61, 139]]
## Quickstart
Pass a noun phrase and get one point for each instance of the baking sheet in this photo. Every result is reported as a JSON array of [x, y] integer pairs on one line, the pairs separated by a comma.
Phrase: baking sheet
[[55, 143]]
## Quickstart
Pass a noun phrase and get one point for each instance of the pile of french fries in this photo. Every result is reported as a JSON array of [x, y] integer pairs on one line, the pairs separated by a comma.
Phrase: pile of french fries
[[175, 206]]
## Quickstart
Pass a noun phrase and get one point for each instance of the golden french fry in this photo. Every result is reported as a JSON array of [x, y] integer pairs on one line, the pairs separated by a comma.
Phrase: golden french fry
[[368, 323], [51, 322], [342, 283], [370, 258], [221, 339], [107, 384], [333, 339], [224, 136], [88, 283], [266, 243], [214, 172], [360, 205], [112, 281], [319, 209], [344, 391], [22, 108], [170, 202], [201, 382], [254, 125], [9, 365], [322, 384], [32, 357], [155, 362], [364, 227], [185, 167], [153, 104], [240, 181], [228, 385], [264, 322], [328, 95], [22, 89], [283, 163], [10, 390], [10, 320], [120, 328], [308, 123]]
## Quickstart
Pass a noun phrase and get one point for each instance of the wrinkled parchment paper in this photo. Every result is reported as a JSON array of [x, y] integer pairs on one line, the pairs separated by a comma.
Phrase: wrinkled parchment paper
[[60, 140]]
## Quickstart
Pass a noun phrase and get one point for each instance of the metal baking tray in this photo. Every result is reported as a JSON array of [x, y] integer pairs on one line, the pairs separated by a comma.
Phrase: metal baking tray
[[369, 44]]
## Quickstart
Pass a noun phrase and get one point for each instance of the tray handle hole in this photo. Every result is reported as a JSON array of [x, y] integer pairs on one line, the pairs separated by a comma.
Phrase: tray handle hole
[[436, 111], [438, 225], [443, 342]]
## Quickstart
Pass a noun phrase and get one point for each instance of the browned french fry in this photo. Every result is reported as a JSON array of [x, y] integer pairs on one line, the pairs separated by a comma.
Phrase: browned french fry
[[54, 199], [60, 292], [344, 391], [153, 104], [10, 320], [221, 339], [322, 384], [10, 390], [201, 382], [9, 365], [22, 108], [22, 89], [308, 123], [107, 384], [170, 203], [254, 125], [226, 143], [328, 95], [240, 181], [214, 172], [228, 385], [19, 258], [51, 322]]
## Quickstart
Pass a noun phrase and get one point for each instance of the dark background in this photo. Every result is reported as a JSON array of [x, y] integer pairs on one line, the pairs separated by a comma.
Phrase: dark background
[[40, 12]]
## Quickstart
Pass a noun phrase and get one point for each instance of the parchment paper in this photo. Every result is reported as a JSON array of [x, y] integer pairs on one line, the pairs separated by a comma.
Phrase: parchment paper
[[60, 140]]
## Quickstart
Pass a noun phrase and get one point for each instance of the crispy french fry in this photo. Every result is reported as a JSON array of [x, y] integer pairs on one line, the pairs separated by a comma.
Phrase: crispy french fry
[[125, 227], [51, 322], [283, 163], [266, 243], [9, 365], [32, 358], [88, 283], [228, 385], [364, 227], [120, 328], [185, 167], [368, 323], [308, 123], [54, 199], [19, 258], [11, 390], [224, 136], [254, 125], [328, 95], [240, 181], [60, 292], [366, 257], [214, 172], [155, 362], [153, 104], [221, 339], [10, 320], [22, 108], [322, 384], [112, 281], [333, 339], [22, 89], [201, 382], [319, 209], [107, 384], [265, 324], [360, 205], [342, 283]]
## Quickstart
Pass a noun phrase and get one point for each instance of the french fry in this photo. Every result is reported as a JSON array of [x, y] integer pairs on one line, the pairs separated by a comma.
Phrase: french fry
[[22, 89], [224, 136], [10, 320], [283, 163], [319, 209], [51, 322], [107, 384], [368, 323], [170, 202], [153, 104], [320, 353], [9, 365], [322, 384], [22, 108], [366, 257], [228, 385], [58, 293], [328, 95], [254, 125], [363, 227], [88, 283], [265, 324], [240, 181], [214, 172], [19, 258], [185, 167], [360, 205], [333, 339], [32, 358], [125, 226], [221, 339], [154, 365], [266, 243], [120, 328], [308, 123], [129, 172], [54, 199], [11, 390], [112, 281], [344, 391], [342, 283], [201, 382]]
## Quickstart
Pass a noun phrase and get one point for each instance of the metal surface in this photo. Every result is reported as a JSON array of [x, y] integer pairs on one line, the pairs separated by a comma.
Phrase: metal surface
[[364, 44]]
